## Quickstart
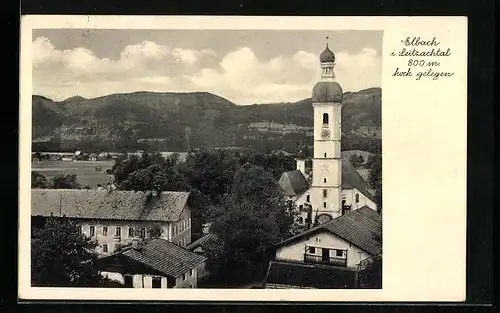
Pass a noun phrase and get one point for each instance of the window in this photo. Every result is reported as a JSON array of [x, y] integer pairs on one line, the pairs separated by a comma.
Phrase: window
[[300, 220], [81, 229], [128, 281], [105, 230], [324, 180], [325, 154], [325, 118], [301, 206], [170, 282], [118, 231], [175, 230], [324, 204], [184, 276], [188, 222], [105, 248], [312, 250], [143, 232], [357, 197], [92, 231], [307, 198], [191, 272], [156, 282], [325, 193], [339, 253], [131, 232]]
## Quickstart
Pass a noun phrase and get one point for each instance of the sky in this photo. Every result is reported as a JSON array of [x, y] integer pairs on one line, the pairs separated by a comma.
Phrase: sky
[[243, 66]]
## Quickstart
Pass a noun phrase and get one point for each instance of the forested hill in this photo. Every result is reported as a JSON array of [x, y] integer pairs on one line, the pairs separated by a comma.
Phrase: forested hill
[[172, 118]]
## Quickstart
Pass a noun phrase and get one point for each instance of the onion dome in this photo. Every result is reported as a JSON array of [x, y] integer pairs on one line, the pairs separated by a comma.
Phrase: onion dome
[[327, 56], [327, 91]]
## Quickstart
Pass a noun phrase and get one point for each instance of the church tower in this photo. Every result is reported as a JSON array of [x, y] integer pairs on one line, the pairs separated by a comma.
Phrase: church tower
[[327, 163]]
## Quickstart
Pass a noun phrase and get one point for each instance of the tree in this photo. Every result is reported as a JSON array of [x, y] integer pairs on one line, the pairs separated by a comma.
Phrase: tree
[[64, 181], [38, 180], [253, 218], [155, 231], [61, 256], [356, 160], [375, 178]]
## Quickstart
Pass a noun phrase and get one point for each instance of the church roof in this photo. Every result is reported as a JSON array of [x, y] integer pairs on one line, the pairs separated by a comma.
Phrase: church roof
[[351, 179], [327, 55], [327, 91], [293, 183], [362, 228]]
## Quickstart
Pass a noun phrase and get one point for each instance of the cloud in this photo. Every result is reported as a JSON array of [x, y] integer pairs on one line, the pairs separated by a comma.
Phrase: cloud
[[239, 75]]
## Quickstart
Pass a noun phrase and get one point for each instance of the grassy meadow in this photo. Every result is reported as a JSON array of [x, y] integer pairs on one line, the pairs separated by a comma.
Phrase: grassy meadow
[[85, 171]]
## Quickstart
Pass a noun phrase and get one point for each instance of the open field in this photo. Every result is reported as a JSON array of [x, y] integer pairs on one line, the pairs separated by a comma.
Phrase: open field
[[85, 170]]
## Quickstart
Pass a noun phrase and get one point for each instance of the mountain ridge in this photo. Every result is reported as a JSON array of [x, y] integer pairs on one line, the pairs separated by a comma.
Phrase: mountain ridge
[[210, 118]]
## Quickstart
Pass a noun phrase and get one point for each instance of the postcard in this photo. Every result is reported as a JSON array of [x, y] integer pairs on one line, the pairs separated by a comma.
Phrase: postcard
[[239, 158]]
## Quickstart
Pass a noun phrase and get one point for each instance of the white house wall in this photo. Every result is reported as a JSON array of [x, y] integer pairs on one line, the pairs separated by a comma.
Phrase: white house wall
[[295, 251], [349, 195]]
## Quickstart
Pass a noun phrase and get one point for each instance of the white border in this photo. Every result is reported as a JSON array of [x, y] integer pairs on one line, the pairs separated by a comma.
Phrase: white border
[[424, 144]]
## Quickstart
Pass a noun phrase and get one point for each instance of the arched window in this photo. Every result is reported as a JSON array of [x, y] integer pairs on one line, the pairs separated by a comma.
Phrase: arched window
[[324, 180], [325, 154], [325, 118], [357, 197]]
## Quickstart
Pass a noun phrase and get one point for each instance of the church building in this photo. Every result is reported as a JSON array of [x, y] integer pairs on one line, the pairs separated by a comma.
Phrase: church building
[[335, 186]]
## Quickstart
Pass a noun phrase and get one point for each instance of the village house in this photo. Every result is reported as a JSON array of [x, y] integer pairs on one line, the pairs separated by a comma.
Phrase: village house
[[209, 242], [113, 217], [154, 263], [328, 255]]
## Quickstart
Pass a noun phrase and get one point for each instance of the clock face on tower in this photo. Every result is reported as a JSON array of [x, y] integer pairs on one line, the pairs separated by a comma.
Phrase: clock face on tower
[[325, 133], [323, 218]]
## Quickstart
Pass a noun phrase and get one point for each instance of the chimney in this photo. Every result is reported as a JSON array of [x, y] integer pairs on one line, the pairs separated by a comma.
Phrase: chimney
[[136, 243], [301, 166]]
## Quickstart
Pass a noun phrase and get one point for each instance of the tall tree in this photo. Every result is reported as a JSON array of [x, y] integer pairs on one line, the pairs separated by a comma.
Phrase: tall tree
[[253, 217], [61, 256]]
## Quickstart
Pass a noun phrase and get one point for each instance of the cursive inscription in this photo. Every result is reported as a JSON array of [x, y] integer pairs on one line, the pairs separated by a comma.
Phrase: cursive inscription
[[423, 58]]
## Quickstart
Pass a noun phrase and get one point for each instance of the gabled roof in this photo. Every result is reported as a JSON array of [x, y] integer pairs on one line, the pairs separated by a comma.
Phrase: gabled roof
[[208, 242], [283, 274], [160, 255], [362, 228], [293, 183], [352, 179], [109, 205]]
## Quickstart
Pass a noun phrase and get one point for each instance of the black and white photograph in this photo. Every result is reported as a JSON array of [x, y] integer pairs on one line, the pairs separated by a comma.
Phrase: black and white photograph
[[190, 158], [206, 159]]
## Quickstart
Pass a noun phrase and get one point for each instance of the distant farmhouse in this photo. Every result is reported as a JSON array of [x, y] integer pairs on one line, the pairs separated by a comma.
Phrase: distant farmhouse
[[113, 217]]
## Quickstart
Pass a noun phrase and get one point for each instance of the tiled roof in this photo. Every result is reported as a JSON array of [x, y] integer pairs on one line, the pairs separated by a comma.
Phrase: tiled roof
[[104, 204], [352, 179], [299, 275], [362, 228], [293, 183], [208, 242], [161, 256]]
